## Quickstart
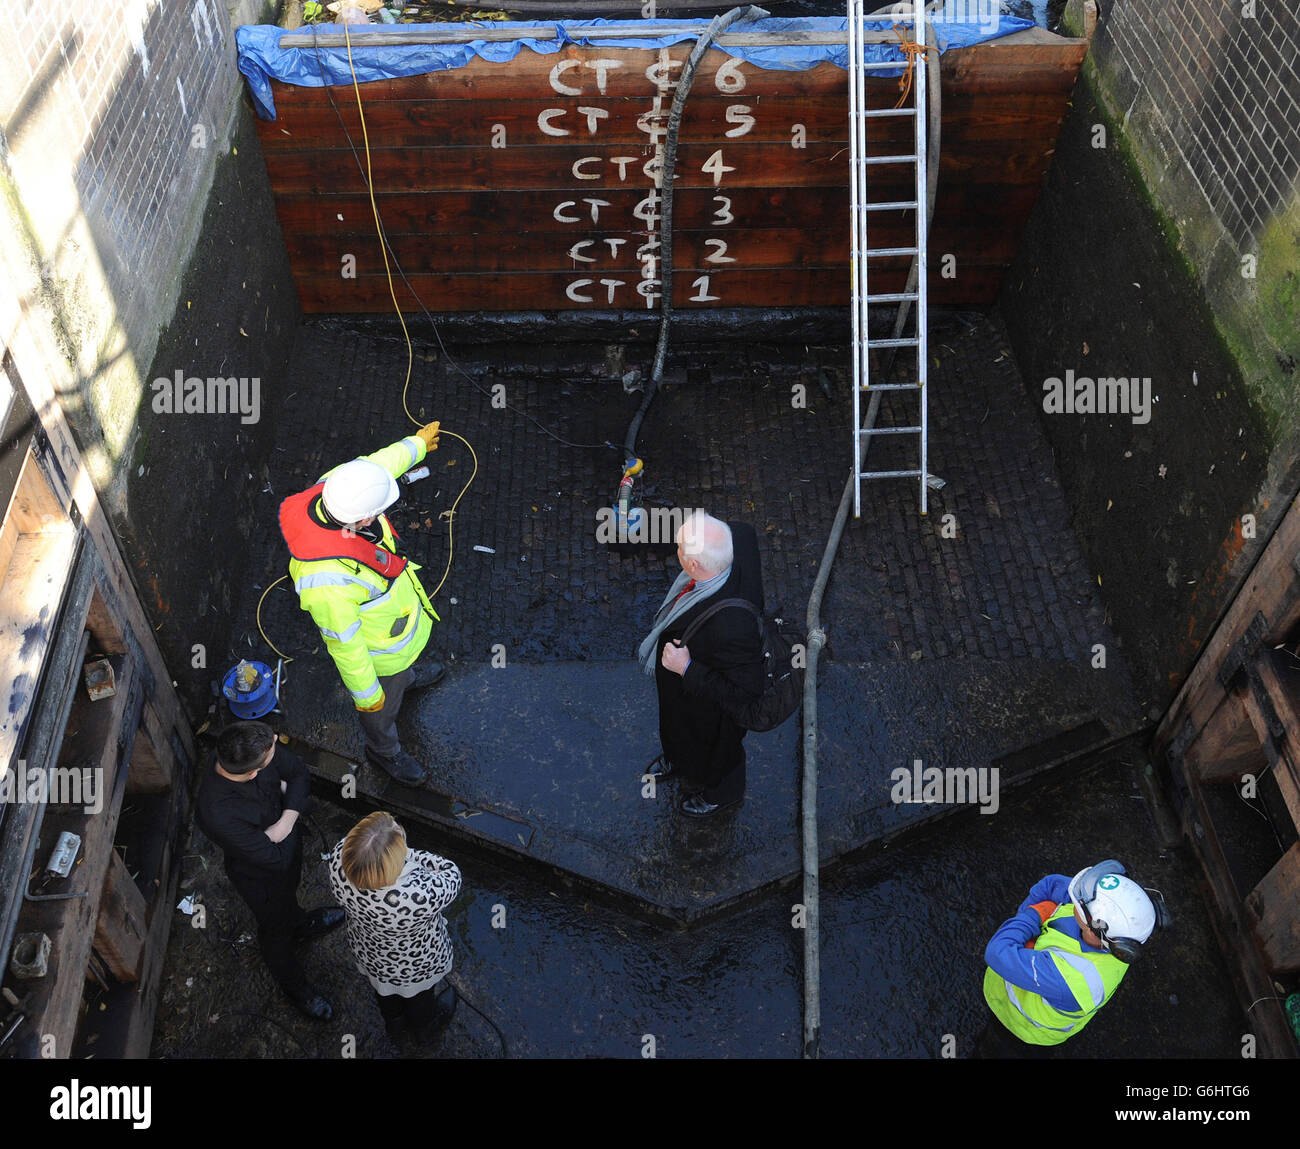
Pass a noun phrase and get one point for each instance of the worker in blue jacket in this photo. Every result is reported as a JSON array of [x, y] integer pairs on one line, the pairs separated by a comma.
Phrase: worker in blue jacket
[[1061, 958]]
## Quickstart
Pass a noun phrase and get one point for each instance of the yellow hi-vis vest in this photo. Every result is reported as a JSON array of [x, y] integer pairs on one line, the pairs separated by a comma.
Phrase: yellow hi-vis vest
[[371, 627], [1092, 978]]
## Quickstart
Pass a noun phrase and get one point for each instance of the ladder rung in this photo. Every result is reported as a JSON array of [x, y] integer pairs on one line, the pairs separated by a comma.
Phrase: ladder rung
[[876, 64], [894, 297], [889, 159], [872, 253], [889, 474], [889, 431], [892, 386], [890, 205], [912, 342], [890, 112]]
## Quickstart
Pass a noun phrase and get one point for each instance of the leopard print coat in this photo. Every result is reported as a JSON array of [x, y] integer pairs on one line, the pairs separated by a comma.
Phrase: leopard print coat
[[397, 933]]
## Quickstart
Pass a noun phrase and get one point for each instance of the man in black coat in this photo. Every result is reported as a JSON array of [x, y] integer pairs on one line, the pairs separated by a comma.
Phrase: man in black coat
[[249, 806], [721, 668]]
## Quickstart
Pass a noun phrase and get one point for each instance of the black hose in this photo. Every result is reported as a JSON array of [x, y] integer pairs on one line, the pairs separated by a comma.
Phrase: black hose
[[719, 24]]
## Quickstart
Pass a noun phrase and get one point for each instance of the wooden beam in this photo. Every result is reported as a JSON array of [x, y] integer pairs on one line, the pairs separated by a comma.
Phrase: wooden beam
[[1273, 904], [92, 738], [152, 760], [1281, 684], [1231, 921], [376, 36], [1270, 589], [1229, 745], [45, 374], [120, 927]]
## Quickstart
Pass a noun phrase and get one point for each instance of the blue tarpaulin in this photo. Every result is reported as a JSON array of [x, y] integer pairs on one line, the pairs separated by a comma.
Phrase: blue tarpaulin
[[261, 58]]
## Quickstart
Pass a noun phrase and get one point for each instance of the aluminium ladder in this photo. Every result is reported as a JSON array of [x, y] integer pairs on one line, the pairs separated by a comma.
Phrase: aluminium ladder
[[861, 252]]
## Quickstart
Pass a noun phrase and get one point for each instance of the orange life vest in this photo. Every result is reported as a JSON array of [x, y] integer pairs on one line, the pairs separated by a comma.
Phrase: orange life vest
[[309, 540]]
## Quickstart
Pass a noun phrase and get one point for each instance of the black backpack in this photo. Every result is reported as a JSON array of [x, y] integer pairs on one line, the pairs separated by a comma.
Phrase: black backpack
[[782, 681]]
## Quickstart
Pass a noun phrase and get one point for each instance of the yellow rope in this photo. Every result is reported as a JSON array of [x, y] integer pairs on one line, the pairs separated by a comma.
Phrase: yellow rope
[[911, 49]]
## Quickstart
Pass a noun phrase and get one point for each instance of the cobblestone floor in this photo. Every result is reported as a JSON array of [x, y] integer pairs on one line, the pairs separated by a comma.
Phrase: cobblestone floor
[[723, 434]]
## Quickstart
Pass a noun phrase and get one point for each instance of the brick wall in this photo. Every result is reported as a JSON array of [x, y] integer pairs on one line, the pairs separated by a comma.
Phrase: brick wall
[[1176, 172], [138, 238], [1208, 93], [114, 116]]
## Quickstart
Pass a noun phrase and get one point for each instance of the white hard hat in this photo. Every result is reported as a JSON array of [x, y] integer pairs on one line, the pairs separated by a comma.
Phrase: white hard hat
[[357, 490], [1122, 905]]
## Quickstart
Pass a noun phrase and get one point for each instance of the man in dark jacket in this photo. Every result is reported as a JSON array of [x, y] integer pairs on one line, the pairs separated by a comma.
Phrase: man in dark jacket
[[721, 669], [249, 806]]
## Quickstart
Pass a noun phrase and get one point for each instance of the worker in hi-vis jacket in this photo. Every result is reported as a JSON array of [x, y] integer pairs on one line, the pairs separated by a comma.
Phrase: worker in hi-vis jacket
[[372, 612], [1061, 958]]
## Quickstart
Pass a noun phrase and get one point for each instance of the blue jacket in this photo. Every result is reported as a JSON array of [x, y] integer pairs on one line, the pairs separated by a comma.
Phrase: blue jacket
[[1007, 956]]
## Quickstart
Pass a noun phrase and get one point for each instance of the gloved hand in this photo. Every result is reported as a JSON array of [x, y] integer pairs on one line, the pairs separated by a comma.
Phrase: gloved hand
[[1044, 910], [429, 433], [372, 707]]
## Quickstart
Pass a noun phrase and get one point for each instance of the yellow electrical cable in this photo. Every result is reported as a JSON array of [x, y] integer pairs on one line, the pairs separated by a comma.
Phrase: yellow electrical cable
[[383, 249], [392, 291], [259, 619], [410, 361], [451, 515]]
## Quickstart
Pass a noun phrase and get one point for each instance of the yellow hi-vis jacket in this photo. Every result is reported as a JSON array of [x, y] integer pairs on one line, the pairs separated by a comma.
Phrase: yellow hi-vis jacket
[[1092, 978], [371, 626]]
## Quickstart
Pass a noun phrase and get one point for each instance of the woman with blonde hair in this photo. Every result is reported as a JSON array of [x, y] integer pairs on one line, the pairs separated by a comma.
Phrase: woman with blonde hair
[[394, 898]]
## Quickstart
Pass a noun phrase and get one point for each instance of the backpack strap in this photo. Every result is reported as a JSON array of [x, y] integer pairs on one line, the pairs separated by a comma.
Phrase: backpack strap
[[699, 621]]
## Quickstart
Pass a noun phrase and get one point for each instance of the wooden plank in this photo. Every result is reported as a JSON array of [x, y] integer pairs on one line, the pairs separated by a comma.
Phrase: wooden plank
[[604, 167], [45, 375], [585, 252], [39, 567], [979, 210], [804, 287], [1005, 65], [139, 1034], [92, 738], [20, 826], [736, 249], [542, 122], [1232, 926], [593, 167], [120, 926], [1273, 906], [576, 71], [1228, 747], [1281, 683], [377, 36], [1269, 586], [610, 248], [107, 637], [152, 761]]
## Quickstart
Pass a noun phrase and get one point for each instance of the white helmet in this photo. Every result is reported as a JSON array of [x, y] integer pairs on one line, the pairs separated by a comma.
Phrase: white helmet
[[357, 490], [1120, 908]]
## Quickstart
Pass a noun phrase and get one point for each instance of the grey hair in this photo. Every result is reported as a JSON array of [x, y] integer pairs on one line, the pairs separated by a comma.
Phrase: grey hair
[[707, 540]]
